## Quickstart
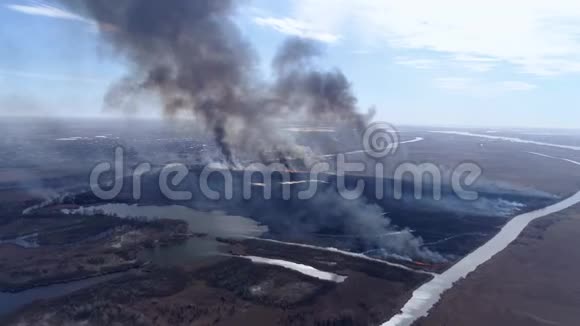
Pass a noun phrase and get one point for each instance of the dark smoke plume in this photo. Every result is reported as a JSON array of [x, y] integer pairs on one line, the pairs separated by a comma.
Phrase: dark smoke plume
[[300, 85], [192, 55]]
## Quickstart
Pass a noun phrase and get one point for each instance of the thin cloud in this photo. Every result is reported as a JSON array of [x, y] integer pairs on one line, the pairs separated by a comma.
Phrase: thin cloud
[[9, 74], [474, 64], [472, 58], [361, 52], [476, 87], [296, 28], [46, 10], [477, 66], [535, 37], [513, 85], [416, 63]]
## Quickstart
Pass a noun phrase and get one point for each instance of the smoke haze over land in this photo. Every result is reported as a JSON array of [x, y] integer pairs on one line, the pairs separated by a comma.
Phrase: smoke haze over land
[[192, 56]]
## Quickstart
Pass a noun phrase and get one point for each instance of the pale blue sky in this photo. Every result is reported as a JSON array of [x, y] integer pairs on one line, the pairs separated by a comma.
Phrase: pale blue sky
[[485, 63]]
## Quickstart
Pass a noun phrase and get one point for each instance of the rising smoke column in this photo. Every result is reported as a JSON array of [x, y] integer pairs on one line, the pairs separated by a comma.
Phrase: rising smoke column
[[364, 220], [191, 54], [321, 94]]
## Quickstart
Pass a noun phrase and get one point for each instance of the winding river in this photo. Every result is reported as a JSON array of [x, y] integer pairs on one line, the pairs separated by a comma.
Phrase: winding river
[[509, 139], [427, 295], [218, 224]]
